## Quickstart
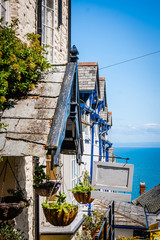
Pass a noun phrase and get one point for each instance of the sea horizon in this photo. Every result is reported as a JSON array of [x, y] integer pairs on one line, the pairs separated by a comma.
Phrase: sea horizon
[[137, 144], [146, 165]]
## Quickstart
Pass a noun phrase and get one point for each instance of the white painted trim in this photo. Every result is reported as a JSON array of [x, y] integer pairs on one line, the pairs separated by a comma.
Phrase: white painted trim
[[112, 176]]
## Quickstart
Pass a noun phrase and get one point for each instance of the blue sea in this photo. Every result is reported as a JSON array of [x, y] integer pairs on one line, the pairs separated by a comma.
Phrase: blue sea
[[146, 166]]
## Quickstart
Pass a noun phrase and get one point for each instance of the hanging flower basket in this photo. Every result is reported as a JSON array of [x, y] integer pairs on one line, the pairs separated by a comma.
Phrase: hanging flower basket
[[60, 217], [10, 208], [47, 189], [59, 213], [82, 191], [83, 197]]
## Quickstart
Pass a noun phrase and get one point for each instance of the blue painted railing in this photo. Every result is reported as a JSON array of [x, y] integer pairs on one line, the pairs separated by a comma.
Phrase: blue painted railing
[[107, 230]]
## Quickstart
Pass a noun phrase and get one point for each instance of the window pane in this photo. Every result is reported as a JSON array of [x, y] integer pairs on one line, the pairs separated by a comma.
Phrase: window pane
[[43, 35], [49, 17], [49, 37], [43, 15]]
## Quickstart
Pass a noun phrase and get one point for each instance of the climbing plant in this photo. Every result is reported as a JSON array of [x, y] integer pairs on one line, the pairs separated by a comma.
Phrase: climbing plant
[[21, 64]]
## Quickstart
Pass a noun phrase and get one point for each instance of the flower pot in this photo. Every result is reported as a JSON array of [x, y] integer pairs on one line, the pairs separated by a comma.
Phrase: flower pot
[[47, 189], [60, 218], [94, 234], [84, 197], [10, 209]]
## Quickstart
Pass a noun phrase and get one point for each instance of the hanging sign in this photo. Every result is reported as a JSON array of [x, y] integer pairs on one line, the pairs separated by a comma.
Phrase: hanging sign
[[112, 176]]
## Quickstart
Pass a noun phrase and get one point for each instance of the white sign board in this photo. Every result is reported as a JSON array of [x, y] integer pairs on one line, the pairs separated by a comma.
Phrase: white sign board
[[112, 176], [111, 196]]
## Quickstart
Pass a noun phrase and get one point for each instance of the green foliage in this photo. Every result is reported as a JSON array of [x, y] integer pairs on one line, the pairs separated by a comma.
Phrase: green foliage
[[126, 238], [85, 185], [40, 175], [83, 235], [60, 205], [21, 64], [8, 232], [18, 196], [94, 222]]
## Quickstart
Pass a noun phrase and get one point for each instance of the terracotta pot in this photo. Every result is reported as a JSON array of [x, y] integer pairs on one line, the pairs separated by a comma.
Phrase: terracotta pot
[[10, 209], [47, 189], [96, 234], [60, 218], [84, 197]]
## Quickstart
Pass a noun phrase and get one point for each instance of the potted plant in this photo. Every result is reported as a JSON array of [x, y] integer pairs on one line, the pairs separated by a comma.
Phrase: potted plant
[[59, 213], [93, 223], [83, 235], [82, 191], [42, 185], [11, 206], [8, 231]]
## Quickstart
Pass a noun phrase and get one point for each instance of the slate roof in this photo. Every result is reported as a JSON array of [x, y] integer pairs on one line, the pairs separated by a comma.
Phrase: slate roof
[[30, 119], [150, 200], [126, 215], [102, 88], [88, 76]]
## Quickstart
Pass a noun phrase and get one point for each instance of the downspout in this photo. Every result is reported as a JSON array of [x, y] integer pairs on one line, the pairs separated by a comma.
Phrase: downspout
[[91, 167], [36, 207], [39, 20], [100, 143], [69, 27]]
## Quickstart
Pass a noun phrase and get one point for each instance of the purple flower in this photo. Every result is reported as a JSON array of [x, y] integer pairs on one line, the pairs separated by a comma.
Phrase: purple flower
[[87, 204], [60, 203]]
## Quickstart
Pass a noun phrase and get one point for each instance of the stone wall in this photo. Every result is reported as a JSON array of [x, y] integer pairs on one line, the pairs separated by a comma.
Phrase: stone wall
[[61, 34], [24, 168], [26, 12]]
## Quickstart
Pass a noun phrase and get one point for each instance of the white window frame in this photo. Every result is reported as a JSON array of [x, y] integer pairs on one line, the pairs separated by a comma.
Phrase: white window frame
[[46, 28], [5, 6], [76, 174]]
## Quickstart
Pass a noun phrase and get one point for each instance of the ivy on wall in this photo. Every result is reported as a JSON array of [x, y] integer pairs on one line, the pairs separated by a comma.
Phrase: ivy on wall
[[21, 64]]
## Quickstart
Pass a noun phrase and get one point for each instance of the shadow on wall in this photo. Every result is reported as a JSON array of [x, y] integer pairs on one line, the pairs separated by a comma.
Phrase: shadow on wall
[[24, 174]]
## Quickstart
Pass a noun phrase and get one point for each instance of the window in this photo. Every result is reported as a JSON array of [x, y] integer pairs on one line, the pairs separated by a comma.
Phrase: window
[[4, 11], [76, 173], [48, 27]]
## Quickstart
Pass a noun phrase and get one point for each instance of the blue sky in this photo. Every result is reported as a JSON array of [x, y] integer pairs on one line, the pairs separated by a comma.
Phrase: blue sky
[[111, 31]]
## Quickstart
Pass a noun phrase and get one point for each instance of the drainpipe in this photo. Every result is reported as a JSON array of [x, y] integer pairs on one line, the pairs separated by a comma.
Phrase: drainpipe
[[36, 207], [100, 143], [91, 167], [39, 20]]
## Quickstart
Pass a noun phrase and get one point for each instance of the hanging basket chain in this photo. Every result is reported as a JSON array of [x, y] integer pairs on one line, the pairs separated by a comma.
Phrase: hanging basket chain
[[56, 177], [19, 187], [4, 177]]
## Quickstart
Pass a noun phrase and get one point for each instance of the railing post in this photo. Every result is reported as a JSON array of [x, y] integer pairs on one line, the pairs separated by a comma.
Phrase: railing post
[[105, 228], [110, 216]]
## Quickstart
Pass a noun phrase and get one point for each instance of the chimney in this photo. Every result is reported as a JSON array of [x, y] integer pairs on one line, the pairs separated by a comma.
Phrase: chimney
[[142, 187]]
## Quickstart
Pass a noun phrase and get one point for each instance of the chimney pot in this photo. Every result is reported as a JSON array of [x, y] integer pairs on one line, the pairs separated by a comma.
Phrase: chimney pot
[[142, 187]]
